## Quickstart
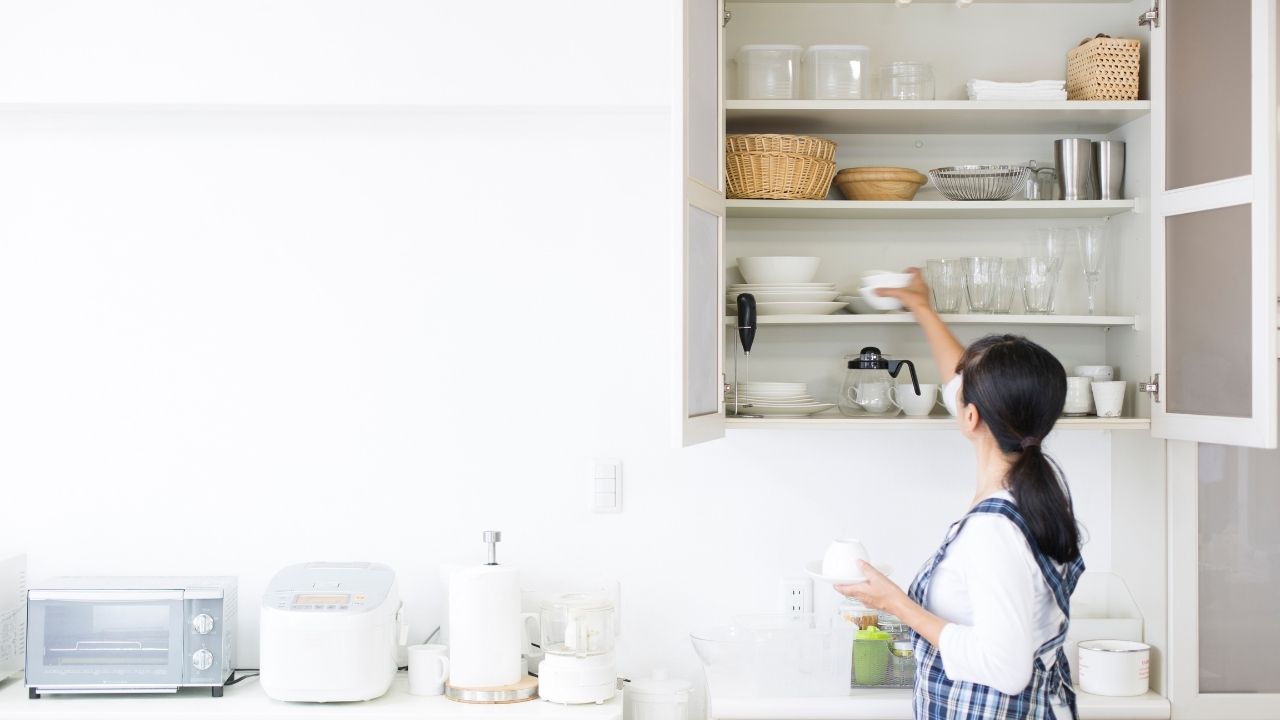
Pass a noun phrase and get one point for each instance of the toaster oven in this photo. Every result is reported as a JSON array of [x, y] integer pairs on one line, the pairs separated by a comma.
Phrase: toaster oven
[[130, 634]]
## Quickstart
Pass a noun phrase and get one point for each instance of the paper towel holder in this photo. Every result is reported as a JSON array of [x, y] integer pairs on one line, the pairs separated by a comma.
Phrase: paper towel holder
[[492, 538]]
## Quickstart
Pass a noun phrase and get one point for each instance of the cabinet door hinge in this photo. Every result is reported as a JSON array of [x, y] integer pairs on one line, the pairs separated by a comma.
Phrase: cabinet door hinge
[[1152, 16], [1151, 386], [728, 15]]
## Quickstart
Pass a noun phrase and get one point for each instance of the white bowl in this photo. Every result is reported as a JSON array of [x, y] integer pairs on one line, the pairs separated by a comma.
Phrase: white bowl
[[882, 278], [786, 295], [766, 270], [857, 305], [879, 303]]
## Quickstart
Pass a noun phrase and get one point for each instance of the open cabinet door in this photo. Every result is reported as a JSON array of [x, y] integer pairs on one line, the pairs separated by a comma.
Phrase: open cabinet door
[[701, 345], [1213, 75]]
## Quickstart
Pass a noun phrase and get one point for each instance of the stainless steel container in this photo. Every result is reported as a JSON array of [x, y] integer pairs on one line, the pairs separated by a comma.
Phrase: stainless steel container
[[1077, 173], [1108, 159]]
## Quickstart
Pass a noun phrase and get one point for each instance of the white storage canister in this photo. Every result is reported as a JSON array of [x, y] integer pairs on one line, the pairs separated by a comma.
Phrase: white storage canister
[[1116, 668], [656, 698], [769, 72], [836, 72]]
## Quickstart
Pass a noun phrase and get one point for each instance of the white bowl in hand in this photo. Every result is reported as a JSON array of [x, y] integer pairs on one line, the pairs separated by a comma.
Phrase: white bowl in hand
[[841, 560], [877, 302]]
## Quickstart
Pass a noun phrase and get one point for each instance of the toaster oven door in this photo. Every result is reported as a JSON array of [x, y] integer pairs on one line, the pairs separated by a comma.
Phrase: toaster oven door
[[119, 638]]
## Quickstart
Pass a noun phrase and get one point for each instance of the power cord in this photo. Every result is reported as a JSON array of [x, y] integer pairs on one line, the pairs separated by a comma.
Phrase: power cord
[[252, 672]]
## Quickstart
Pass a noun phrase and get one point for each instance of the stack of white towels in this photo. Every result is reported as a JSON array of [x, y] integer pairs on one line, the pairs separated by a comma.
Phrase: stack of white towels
[[1015, 91]]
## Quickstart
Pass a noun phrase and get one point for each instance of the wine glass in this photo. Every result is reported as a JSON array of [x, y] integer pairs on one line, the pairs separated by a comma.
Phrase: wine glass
[[1093, 251]]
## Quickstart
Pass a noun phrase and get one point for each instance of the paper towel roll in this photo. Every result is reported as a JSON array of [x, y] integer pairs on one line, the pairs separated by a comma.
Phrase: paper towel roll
[[484, 627]]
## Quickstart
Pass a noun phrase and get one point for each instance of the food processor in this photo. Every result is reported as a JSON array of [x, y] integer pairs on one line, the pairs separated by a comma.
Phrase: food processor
[[579, 665]]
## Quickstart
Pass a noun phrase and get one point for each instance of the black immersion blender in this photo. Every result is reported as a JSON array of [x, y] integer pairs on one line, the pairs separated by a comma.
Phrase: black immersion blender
[[746, 336]]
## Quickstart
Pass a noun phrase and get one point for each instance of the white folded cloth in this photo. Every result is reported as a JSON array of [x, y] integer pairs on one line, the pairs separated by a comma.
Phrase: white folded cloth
[[1034, 90]]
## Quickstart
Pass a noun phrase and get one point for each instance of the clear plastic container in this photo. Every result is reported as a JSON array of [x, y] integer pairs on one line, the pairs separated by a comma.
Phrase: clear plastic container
[[578, 625], [906, 81], [769, 72], [836, 72]]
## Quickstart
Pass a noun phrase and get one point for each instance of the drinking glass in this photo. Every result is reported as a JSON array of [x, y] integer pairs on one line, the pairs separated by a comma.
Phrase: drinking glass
[[1049, 242], [981, 282], [1093, 251], [946, 284], [1039, 281], [1008, 282]]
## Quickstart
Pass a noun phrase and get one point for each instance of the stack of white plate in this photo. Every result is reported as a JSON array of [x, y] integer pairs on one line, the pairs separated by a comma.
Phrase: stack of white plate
[[774, 399], [788, 299]]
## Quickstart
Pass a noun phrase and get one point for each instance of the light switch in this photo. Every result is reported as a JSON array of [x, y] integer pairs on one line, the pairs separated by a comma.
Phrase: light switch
[[607, 486]]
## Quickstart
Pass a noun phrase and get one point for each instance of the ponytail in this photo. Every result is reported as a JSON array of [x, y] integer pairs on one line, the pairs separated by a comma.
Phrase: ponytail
[[1019, 389]]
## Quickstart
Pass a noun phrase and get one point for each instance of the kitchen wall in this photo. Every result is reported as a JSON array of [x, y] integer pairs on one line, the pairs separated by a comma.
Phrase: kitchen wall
[[241, 334]]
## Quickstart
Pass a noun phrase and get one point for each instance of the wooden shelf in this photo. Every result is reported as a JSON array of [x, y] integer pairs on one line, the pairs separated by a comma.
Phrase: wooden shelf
[[828, 421], [936, 117], [926, 209], [902, 318]]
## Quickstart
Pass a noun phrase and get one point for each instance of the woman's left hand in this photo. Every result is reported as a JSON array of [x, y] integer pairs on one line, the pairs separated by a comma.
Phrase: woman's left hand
[[878, 592]]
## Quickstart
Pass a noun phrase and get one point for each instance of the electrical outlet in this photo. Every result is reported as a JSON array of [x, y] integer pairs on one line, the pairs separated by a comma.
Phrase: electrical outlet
[[796, 595]]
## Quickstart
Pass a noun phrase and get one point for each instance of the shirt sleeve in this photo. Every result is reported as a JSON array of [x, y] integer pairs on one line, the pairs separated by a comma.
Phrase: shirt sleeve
[[998, 649]]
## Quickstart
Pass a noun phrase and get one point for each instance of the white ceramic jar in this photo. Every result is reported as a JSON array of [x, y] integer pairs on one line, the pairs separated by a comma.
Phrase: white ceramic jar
[[656, 698], [836, 72], [1115, 668], [769, 72]]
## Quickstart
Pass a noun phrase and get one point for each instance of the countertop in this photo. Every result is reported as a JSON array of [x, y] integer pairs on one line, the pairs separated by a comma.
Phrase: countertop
[[874, 704], [246, 701]]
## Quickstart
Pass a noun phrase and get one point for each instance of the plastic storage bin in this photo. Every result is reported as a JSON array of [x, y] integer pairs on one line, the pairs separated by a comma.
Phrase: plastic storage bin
[[769, 72], [836, 72]]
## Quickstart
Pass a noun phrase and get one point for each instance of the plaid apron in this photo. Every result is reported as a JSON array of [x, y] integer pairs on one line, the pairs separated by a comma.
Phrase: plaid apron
[[939, 698]]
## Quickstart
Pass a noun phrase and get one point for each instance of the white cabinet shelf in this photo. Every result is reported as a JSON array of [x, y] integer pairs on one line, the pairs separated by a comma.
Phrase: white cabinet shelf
[[926, 209], [1104, 321], [937, 117], [901, 422]]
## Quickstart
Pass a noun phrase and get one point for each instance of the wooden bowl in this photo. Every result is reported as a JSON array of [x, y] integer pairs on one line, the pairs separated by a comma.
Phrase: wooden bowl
[[879, 183]]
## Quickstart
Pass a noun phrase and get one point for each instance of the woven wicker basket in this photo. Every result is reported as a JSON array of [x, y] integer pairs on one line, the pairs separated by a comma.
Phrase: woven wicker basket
[[795, 144], [778, 176], [1104, 68]]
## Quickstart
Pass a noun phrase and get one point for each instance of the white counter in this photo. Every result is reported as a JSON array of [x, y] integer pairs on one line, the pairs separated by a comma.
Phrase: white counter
[[246, 701], [874, 704]]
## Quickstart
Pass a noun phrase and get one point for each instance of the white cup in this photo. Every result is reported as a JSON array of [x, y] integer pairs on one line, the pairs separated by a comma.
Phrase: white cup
[[840, 561], [873, 397], [904, 396], [428, 669], [1108, 397], [1079, 398]]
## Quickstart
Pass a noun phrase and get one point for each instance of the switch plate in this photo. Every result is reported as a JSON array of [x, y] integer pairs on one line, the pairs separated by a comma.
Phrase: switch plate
[[606, 486]]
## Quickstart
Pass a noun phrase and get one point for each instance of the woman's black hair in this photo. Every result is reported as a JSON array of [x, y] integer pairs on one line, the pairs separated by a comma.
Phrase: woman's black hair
[[1019, 389]]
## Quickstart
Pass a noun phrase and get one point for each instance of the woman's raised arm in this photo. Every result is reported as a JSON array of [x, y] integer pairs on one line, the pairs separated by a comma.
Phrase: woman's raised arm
[[947, 350]]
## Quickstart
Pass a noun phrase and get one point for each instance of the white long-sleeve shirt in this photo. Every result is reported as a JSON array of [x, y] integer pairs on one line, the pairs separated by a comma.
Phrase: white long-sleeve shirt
[[997, 606]]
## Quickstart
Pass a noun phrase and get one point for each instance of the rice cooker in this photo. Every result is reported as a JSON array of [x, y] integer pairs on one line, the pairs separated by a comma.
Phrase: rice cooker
[[330, 632]]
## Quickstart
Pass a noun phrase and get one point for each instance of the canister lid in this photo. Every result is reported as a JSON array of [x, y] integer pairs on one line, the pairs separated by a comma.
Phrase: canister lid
[[579, 601], [854, 48], [660, 685]]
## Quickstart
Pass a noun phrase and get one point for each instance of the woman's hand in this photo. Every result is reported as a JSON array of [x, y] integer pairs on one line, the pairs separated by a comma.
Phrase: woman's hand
[[877, 593], [914, 296]]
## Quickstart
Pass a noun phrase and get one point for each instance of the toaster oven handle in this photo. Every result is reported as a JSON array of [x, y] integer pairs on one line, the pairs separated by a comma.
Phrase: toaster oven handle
[[100, 644], [104, 595]]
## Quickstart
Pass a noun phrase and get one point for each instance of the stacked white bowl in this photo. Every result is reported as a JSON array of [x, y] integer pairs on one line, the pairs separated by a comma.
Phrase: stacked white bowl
[[774, 399], [783, 286]]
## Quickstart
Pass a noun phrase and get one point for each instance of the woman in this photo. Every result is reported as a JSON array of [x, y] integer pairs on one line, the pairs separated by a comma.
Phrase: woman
[[990, 609]]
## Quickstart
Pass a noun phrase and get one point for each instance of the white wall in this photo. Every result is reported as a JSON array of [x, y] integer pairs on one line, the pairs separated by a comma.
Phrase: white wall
[[237, 338]]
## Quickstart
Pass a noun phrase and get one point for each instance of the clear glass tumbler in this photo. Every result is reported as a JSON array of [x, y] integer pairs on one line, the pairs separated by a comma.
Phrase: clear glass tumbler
[[906, 81], [946, 284], [1039, 282], [1009, 280], [981, 282]]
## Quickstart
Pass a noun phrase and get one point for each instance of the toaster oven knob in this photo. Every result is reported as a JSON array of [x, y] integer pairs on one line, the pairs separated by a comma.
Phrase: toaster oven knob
[[202, 659], [202, 624]]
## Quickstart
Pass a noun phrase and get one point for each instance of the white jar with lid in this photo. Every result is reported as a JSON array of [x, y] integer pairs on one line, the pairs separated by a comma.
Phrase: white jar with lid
[[656, 698], [836, 72], [769, 72]]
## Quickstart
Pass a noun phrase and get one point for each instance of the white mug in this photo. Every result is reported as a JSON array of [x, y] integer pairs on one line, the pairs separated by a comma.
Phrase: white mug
[[904, 396], [873, 397], [1079, 398], [1109, 397], [841, 559], [428, 669]]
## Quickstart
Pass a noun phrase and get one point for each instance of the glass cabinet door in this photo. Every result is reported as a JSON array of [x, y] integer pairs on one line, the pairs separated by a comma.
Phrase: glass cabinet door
[[1213, 74], [702, 303]]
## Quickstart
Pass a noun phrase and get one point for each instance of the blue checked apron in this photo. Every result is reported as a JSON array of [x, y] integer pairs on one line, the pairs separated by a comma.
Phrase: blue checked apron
[[939, 698]]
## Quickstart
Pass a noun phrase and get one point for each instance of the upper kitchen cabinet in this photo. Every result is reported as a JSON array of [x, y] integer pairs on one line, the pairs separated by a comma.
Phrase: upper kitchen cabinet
[[1213, 222], [702, 205]]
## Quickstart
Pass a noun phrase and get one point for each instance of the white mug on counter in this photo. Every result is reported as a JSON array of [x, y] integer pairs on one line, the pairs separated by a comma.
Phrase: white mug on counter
[[1109, 397], [904, 396], [428, 669], [1079, 398]]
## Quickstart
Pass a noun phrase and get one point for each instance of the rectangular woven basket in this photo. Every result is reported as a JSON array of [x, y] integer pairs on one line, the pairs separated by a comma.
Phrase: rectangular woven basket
[[1104, 68]]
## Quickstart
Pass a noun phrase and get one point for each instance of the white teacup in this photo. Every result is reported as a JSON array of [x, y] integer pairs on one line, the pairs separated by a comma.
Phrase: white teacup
[[1109, 397], [841, 559], [875, 398], [1079, 397], [904, 396], [428, 669]]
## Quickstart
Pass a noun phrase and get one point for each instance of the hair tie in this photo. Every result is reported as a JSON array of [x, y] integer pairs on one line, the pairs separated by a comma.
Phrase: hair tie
[[1030, 441]]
